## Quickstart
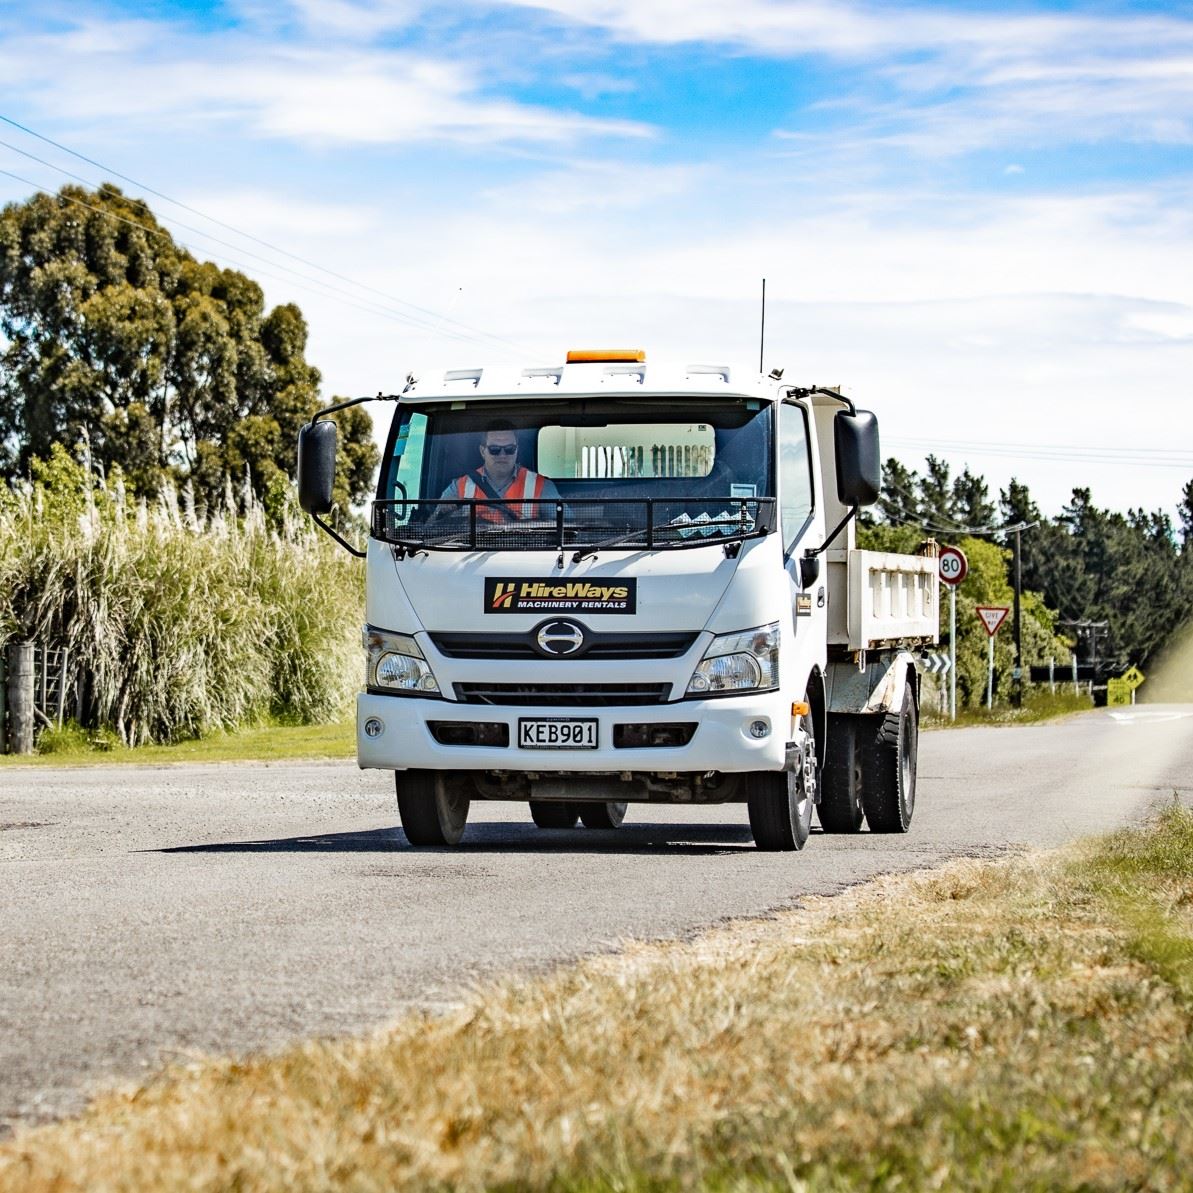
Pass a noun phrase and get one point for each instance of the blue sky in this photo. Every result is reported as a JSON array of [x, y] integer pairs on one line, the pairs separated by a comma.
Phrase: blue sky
[[976, 217]]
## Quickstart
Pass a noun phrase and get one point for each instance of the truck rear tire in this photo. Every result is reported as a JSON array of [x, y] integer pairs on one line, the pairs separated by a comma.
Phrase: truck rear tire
[[549, 814], [433, 805], [608, 815], [888, 752], [840, 807]]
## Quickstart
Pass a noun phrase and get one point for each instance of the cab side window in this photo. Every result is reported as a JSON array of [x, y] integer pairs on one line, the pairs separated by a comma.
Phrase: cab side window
[[795, 470]]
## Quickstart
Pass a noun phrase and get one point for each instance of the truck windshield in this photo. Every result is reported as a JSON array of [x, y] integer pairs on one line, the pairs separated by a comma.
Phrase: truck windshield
[[535, 474]]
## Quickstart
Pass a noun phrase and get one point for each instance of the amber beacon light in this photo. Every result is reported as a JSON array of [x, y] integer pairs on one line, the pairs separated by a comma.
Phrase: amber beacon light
[[591, 356]]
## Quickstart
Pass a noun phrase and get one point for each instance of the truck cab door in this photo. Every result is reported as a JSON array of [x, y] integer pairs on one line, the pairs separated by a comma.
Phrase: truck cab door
[[801, 526]]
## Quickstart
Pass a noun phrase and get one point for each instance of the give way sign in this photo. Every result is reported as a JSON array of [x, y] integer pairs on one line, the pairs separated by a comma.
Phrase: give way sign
[[992, 617]]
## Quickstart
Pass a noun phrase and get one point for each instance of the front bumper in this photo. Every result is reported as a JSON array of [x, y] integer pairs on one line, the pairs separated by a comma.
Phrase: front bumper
[[722, 740]]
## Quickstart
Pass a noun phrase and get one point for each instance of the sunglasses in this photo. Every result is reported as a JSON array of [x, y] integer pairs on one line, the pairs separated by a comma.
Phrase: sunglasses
[[508, 449]]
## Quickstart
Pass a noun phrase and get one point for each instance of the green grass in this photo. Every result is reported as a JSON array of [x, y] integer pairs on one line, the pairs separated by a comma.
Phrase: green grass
[[264, 743], [1147, 878], [1039, 705]]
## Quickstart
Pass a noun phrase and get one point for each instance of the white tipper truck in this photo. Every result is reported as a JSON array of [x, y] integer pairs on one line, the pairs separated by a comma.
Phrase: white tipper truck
[[607, 582]]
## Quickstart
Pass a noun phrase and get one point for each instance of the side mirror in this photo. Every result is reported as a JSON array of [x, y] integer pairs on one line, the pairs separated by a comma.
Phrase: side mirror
[[316, 466], [859, 458]]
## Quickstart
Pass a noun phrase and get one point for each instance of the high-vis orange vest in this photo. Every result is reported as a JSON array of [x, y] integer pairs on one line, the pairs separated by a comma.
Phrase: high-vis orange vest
[[526, 484]]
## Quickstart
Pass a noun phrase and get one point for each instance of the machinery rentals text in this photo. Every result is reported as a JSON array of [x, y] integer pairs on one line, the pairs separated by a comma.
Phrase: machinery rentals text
[[602, 583]]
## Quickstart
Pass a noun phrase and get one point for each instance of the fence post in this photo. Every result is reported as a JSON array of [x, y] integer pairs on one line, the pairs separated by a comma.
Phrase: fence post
[[63, 659], [3, 704], [20, 697]]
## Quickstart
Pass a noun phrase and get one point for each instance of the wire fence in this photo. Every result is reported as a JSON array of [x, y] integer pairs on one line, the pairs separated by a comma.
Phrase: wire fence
[[37, 689]]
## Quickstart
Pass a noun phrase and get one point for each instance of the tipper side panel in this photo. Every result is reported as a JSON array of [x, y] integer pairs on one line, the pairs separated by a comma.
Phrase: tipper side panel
[[892, 599]]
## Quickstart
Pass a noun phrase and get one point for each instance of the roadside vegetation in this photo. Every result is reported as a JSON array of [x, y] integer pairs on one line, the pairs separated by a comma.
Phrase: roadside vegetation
[[177, 621], [1019, 1023], [1039, 704], [267, 742], [1117, 586]]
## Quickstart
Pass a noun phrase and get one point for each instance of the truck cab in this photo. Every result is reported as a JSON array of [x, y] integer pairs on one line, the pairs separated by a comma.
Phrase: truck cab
[[603, 582]]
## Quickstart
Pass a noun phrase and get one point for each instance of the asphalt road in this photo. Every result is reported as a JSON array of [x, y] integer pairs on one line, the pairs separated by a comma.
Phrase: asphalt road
[[152, 912]]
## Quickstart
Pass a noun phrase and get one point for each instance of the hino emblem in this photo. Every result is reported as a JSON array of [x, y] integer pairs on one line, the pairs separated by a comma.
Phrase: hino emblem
[[559, 637]]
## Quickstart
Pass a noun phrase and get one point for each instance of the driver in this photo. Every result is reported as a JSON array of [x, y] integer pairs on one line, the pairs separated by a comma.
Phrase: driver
[[501, 478]]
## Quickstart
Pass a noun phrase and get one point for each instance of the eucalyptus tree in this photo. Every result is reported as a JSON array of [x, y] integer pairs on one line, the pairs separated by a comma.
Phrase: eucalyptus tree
[[171, 367]]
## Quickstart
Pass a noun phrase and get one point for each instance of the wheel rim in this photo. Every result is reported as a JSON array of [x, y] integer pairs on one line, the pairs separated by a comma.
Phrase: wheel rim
[[807, 784], [906, 766]]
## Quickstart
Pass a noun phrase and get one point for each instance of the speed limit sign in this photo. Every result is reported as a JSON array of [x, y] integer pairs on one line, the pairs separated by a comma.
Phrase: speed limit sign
[[953, 566]]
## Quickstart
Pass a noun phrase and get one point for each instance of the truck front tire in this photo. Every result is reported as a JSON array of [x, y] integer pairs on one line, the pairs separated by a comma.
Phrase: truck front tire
[[888, 750], [780, 812], [433, 805], [781, 802]]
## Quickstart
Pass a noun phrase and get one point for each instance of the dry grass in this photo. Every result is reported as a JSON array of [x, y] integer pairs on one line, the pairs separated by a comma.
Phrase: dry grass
[[992, 1025]]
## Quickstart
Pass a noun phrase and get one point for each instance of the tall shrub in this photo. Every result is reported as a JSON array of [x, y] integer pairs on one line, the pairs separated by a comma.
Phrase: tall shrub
[[176, 621]]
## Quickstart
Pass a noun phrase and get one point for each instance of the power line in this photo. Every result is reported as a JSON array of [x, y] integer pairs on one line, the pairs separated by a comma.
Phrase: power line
[[1127, 457], [372, 309], [419, 323], [475, 332], [1057, 447], [925, 523], [952, 528]]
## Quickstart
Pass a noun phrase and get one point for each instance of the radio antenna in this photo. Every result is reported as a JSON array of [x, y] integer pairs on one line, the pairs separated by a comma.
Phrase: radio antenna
[[762, 333]]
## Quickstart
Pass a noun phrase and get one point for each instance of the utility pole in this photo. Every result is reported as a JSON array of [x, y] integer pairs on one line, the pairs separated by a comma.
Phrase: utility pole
[[1017, 674]]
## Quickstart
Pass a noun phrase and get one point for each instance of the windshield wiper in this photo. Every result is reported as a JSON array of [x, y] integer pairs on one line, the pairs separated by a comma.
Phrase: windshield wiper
[[616, 541]]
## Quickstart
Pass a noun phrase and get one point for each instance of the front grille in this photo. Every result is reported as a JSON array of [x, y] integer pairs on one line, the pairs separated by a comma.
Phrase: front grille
[[563, 695], [597, 646]]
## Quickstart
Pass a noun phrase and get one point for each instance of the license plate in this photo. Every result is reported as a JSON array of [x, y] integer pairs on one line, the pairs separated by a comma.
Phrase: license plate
[[557, 733]]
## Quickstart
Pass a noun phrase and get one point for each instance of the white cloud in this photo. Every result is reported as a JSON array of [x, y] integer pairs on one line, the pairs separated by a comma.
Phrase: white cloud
[[386, 98], [600, 187], [956, 318], [283, 217], [304, 94], [855, 30], [1162, 323], [1001, 77]]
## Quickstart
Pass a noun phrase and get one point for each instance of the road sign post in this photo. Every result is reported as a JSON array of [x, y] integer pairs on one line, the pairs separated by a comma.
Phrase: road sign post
[[953, 653], [953, 567], [991, 617]]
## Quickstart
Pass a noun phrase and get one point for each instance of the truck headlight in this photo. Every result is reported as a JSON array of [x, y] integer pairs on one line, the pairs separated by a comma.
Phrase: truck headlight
[[395, 662], [747, 661]]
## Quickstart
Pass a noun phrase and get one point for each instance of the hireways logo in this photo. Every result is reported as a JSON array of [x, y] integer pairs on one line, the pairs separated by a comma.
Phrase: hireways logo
[[503, 596], [506, 595]]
